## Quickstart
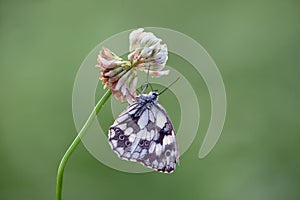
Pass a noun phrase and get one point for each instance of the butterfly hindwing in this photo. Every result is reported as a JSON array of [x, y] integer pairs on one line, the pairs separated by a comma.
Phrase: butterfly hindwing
[[144, 133]]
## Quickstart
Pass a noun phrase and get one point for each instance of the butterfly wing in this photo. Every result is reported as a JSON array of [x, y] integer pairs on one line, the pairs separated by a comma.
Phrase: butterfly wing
[[145, 135]]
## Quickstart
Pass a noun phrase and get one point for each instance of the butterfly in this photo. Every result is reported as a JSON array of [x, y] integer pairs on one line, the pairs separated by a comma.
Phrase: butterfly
[[144, 133]]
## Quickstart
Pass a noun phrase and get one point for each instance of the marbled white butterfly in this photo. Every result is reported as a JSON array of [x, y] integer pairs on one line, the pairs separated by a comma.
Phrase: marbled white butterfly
[[144, 133]]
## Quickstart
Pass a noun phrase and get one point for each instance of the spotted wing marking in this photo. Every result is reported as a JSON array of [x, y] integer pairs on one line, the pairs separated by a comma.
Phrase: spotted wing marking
[[149, 139]]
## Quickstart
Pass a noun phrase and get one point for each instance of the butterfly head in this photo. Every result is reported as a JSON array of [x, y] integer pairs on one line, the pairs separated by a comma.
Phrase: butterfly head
[[153, 94], [151, 97]]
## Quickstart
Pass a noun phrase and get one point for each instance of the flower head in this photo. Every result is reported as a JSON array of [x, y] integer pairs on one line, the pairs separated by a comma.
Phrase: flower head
[[116, 74], [146, 54]]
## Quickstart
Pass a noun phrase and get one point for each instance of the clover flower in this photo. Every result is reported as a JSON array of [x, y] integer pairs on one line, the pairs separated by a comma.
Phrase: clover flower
[[146, 54], [117, 75]]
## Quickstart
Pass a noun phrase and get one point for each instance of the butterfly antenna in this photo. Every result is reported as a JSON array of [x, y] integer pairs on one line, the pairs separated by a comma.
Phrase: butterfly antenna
[[147, 82], [148, 79], [150, 86], [144, 89], [137, 89], [169, 86], [148, 75]]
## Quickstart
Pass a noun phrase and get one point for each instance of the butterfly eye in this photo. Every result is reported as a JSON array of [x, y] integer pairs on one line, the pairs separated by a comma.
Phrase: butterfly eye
[[121, 137]]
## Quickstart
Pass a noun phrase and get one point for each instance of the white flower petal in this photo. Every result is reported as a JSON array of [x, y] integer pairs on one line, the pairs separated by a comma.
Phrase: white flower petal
[[159, 73], [134, 37], [146, 51]]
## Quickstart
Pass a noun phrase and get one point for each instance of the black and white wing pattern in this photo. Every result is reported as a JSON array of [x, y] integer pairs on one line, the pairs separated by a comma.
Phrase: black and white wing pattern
[[144, 133]]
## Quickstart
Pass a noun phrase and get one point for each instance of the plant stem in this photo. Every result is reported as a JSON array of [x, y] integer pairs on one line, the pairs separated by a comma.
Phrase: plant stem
[[75, 143]]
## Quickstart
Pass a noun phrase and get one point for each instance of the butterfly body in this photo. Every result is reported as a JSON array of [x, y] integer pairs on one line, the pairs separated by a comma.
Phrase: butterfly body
[[144, 133]]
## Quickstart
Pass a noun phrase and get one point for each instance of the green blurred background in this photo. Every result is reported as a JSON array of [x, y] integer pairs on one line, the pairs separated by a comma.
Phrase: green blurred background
[[256, 46]]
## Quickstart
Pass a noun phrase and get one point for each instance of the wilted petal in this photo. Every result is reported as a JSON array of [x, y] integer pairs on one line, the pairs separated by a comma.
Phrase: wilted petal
[[115, 73]]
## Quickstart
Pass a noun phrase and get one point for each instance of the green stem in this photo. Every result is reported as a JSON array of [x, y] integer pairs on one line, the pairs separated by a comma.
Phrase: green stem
[[75, 143]]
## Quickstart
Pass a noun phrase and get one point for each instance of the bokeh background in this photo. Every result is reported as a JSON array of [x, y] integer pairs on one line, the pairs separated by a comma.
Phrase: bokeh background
[[256, 46]]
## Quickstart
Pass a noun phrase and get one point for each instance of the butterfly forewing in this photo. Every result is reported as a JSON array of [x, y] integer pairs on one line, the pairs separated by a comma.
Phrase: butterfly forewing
[[144, 133]]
